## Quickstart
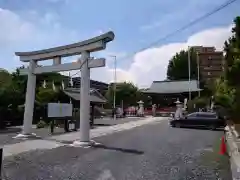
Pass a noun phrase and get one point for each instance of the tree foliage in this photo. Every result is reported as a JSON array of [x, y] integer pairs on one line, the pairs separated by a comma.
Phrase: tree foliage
[[126, 93], [178, 66], [46, 95], [5, 78], [232, 55], [224, 95], [227, 88], [196, 103], [13, 89]]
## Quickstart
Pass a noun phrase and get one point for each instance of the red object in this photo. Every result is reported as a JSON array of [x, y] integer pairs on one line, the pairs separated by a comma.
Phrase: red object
[[223, 148]]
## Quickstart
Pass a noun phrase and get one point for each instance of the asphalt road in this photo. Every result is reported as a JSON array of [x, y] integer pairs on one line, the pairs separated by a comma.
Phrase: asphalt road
[[149, 152]]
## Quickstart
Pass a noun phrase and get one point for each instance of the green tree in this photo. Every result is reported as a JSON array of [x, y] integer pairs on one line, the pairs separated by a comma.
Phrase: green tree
[[126, 92], [5, 78], [12, 95], [223, 94], [11, 92], [46, 95], [178, 66], [13, 89], [232, 55], [232, 73], [199, 102], [49, 78]]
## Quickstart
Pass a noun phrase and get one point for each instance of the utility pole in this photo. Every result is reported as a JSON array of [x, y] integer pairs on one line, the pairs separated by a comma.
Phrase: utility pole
[[115, 79], [189, 73]]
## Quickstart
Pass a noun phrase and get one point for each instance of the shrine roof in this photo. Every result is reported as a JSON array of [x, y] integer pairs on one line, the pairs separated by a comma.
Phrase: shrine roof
[[95, 96], [172, 87]]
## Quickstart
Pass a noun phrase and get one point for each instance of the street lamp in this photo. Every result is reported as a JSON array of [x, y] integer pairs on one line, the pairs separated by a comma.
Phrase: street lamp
[[115, 79]]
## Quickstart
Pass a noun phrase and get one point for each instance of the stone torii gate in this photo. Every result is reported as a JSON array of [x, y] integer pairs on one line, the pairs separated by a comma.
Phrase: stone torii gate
[[84, 63]]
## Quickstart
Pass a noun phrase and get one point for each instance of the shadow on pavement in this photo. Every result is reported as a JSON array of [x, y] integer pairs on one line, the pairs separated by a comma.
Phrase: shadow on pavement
[[203, 128], [10, 130], [131, 151], [103, 124]]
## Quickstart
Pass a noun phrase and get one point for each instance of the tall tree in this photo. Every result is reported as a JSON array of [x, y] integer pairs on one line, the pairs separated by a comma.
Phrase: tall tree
[[232, 71], [13, 89], [5, 78], [126, 93], [232, 55], [178, 66]]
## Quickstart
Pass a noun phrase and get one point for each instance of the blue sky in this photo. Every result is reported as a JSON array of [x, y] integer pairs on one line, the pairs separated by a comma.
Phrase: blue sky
[[41, 24]]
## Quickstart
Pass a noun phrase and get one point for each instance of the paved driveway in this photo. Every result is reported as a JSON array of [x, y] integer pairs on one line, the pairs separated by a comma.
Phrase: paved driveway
[[152, 151]]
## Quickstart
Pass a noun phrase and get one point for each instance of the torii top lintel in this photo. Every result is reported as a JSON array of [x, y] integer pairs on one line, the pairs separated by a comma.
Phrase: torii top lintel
[[90, 45]]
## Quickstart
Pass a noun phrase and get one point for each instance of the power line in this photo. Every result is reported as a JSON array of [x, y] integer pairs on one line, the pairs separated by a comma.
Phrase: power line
[[74, 74], [222, 6]]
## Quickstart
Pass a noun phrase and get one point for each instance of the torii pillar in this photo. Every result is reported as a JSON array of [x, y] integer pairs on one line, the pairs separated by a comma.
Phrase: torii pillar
[[84, 49]]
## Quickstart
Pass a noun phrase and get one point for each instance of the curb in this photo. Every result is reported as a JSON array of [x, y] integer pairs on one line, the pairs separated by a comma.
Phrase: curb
[[235, 132], [233, 151]]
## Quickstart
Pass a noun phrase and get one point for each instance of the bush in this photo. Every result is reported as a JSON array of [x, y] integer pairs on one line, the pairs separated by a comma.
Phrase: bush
[[201, 102], [41, 124], [224, 100]]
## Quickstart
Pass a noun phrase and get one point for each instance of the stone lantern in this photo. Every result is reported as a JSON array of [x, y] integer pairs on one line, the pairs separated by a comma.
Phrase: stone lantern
[[179, 110], [141, 108], [154, 107]]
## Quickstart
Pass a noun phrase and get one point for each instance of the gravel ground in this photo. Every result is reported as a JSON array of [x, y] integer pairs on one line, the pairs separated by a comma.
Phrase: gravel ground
[[154, 152], [6, 136]]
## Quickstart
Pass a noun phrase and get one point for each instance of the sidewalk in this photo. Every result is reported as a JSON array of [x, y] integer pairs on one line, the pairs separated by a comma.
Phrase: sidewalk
[[67, 139], [233, 147], [6, 136]]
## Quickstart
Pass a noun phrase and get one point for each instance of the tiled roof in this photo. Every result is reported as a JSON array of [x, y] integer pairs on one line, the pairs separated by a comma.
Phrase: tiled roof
[[171, 87], [95, 96]]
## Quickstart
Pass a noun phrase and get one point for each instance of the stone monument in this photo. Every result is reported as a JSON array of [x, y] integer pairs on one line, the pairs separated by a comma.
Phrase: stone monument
[[179, 110], [141, 108], [154, 107]]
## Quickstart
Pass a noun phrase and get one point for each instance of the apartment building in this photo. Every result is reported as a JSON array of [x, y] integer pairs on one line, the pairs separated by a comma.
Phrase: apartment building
[[211, 63]]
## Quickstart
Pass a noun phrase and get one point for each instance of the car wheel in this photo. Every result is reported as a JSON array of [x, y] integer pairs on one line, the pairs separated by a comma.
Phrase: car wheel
[[178, 125]]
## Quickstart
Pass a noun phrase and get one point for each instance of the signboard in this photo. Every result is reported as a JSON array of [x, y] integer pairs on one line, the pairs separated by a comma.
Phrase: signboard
[[59, 110]]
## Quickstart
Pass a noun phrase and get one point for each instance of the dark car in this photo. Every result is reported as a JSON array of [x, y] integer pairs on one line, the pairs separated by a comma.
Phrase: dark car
[[199, 119]]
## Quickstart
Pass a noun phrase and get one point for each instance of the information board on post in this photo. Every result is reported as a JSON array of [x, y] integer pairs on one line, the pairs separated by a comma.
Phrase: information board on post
[[60, 110]]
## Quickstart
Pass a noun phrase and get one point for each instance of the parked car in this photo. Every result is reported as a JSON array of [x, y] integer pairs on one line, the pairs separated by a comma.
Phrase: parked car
[[199, 119]]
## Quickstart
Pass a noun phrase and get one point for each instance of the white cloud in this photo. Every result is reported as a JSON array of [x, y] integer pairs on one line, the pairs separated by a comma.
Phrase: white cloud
[[13, 29], [151, 64], [18, 33]]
